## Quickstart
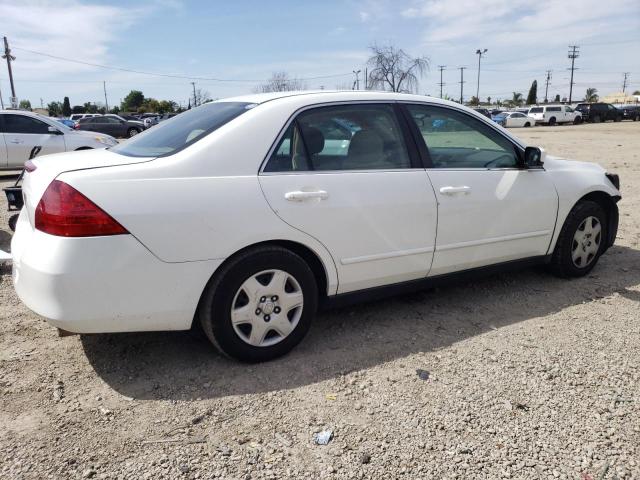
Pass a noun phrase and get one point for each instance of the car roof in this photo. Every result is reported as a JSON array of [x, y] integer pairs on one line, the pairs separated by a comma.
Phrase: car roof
[[322, 96]]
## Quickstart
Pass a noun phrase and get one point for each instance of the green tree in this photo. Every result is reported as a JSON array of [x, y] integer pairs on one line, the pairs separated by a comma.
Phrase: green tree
[[78, 109], [90, 107], [149, 105], [24, 105], [557, 99], [133, 101], [489, 100], [516, 99], [66, 107], [591, 95], [167, 106], [55, 109], [115, 110], [532, 98], [474, 101], [637, 92]]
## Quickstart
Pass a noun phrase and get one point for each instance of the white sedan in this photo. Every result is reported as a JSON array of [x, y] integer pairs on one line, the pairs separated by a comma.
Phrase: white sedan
[[247, 214], [21, 131], [514, 119]]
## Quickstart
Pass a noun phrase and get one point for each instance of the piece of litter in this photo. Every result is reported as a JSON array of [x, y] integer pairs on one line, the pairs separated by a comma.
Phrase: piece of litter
[[323, 437], [422, 374], [330, 396]]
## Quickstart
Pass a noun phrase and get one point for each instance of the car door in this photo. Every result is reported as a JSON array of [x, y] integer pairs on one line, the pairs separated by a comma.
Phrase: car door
[[3, 148], [517, 119], [346, 175], [22, 133], [489, 210]]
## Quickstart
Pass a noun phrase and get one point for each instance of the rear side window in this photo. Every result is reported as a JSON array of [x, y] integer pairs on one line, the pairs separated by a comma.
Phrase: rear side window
[[22, 124], [346, 137], [536, 110], [183, 130], [553, 109]]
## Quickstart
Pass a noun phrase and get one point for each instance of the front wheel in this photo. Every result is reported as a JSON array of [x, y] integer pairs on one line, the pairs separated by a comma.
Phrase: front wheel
[[577, 120], [581, 240], [132, 132], [260, 305], [527, 124]]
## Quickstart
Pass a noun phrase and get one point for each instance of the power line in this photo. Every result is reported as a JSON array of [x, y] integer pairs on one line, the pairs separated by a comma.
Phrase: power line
[[573, 54], [441, 68], [169, 75]]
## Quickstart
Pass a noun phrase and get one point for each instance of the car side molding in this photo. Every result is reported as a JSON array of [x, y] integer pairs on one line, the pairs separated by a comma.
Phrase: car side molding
[[386, 291]]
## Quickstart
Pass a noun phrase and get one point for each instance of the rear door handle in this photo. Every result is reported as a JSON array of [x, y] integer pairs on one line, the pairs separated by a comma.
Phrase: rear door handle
[[463, 190], [301, 196]]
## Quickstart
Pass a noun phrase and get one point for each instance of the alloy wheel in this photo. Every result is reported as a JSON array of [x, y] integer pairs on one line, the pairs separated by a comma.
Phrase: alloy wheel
[[586, 242], [267, 308]]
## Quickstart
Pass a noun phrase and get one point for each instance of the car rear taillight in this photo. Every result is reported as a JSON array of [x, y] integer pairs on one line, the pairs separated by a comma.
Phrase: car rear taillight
[[76, 126], [65, 212]]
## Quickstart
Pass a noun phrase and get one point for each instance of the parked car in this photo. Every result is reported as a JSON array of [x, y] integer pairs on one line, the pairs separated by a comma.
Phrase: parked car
[[77, 116], [630, 112], [513, 119], [233, 215], [483, 111], [150, 119], [21, 131], [66, 122], [554, 114], [118, 128], [599, 112], [127, 118]]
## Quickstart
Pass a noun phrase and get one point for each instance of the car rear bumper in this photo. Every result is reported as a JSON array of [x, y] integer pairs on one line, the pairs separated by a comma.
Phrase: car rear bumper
[[104, 284]]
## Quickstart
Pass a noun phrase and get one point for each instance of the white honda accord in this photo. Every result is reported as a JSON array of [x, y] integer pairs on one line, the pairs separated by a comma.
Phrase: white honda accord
[[248, 214]]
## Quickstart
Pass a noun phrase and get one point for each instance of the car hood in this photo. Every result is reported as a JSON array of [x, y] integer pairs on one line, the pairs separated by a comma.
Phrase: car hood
[[552, 163], [87, 133]]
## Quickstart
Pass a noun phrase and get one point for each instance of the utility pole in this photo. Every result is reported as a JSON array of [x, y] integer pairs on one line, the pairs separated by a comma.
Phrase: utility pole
[[573, 54], [195, 100], [41, 104], [441, 67], [546, 88], [479, 52], [461, 83], [624, 82], [10, 58], [357, 74], [106, 102]]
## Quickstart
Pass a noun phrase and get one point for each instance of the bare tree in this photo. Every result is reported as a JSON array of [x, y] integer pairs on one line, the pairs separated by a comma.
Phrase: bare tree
[[202, 96], [393, 69], [280, 82]]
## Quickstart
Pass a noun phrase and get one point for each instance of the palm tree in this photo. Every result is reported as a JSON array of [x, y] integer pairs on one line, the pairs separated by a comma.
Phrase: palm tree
[[591, 95], [517, 99]]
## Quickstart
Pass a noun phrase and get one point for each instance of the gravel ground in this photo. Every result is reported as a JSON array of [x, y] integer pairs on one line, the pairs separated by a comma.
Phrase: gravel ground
[[515, 376]]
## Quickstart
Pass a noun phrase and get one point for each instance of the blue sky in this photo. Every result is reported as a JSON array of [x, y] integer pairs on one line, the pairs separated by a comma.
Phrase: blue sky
[[245, 41]]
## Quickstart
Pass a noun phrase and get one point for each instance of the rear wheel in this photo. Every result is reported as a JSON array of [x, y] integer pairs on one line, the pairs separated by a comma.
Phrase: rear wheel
[[552, 121], [527, 124], [581, 240], [597, 119], [132, 132], [577, 120], [260, 305], [617, 119], [13, 221]]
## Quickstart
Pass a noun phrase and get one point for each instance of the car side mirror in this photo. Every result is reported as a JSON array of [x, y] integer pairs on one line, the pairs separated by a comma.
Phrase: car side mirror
[[534, 157], [54, 131]]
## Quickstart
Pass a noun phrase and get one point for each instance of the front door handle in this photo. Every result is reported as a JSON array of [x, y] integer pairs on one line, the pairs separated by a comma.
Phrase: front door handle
[[16, 141], [301, 196], [463, 190]]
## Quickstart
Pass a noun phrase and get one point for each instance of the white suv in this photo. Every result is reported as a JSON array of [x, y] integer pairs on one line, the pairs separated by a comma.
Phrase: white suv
[[553, 114], [21, 131]]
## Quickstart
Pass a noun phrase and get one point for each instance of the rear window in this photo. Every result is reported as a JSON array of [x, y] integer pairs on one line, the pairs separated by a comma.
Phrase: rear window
[[536, 110], [181, 131]]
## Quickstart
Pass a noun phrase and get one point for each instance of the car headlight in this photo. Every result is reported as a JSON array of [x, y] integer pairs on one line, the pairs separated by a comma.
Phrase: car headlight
[[108, 141]]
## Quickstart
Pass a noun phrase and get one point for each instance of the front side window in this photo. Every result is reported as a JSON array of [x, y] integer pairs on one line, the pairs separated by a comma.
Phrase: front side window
[[22, 124], [346, 137], [182, 130], [457, 140]]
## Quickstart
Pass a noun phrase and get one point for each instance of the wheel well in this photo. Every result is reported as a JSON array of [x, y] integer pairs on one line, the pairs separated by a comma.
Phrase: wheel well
[[308, 255], [83, 148], [607, 202]]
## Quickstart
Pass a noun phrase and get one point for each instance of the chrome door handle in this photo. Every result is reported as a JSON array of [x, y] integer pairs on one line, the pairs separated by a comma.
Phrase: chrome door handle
[[301, 196], [463, 190]]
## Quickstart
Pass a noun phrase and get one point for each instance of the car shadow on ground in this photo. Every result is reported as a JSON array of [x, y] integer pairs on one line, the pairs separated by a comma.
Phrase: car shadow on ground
[[183, 366]]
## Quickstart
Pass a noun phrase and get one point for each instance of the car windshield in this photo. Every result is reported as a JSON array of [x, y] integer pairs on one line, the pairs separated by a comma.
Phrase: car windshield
[[183, 130]]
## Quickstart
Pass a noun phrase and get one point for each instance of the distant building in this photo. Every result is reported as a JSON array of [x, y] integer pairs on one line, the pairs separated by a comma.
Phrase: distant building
[[620, 97]]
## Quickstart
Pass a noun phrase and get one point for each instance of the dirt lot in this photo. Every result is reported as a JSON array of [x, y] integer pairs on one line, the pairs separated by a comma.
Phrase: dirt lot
[[516, 376]]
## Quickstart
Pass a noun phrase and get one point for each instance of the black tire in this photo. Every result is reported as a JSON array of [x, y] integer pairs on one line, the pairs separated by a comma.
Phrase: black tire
[[552, 121], [13, 221], [597, 119], [617, 119], [132, 132], [577, 121], [527, 124], [214, 310], [562, 263]]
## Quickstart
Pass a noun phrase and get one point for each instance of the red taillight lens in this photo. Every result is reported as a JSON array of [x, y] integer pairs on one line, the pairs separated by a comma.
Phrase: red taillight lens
[[65, 212]]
